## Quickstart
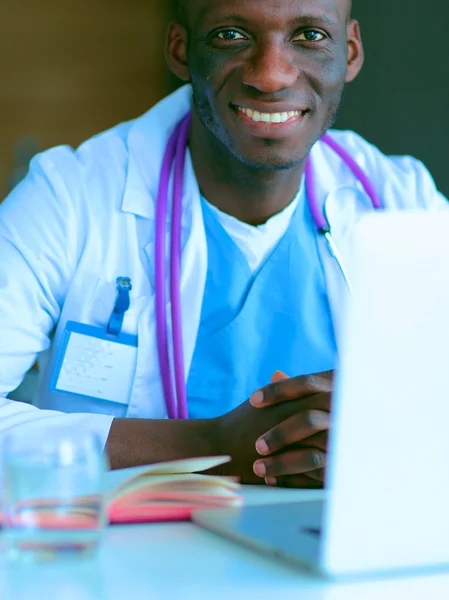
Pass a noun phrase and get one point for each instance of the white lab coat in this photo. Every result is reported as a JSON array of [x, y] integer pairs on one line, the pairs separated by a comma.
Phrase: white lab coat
[[82, 218]]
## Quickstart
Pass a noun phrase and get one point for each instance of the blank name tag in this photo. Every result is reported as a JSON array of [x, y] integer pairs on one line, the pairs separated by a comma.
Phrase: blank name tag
[[95, 364]]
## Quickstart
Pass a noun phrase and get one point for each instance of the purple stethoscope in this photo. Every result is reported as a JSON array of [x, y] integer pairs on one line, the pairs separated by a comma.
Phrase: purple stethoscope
[[175, 156]]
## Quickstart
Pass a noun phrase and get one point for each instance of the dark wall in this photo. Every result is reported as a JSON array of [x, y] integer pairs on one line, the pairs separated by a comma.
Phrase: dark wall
[[400, 102], [73, 68]]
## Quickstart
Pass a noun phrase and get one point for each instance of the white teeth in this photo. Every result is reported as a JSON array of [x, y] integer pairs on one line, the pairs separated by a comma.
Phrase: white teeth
[[269, 117]]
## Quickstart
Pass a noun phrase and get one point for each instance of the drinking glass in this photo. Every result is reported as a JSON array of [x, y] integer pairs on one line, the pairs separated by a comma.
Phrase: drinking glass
[[53, 501]]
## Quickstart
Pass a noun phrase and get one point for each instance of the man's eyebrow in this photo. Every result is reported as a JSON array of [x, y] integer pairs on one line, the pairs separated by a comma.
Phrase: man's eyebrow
[[223, 19], [317, 19]]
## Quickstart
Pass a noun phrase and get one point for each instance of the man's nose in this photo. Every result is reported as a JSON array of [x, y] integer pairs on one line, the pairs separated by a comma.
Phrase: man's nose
[[270, 69]]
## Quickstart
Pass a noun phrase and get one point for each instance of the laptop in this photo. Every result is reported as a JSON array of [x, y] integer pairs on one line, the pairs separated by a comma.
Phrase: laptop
[[387, 505]]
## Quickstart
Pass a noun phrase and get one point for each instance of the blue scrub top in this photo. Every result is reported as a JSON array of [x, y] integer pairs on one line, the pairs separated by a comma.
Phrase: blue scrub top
[[253, 324]]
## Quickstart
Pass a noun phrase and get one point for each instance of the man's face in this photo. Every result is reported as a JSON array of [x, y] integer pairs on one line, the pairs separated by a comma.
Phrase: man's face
[[268, 75]]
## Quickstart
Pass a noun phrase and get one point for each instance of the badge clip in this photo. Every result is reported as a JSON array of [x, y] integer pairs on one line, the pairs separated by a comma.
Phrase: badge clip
[[122, 304]]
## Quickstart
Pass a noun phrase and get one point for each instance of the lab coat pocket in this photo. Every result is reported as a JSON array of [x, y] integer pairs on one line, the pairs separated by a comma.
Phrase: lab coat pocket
[[103, 302], [97, 312]]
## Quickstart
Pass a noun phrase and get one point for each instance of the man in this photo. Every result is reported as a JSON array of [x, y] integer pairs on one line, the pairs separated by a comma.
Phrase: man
[[260, 292]]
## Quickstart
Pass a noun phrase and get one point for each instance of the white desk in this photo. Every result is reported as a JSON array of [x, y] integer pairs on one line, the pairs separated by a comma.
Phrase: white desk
[[154, 562]]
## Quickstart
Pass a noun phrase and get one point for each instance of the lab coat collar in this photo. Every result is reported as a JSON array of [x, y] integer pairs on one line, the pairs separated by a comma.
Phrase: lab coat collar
[[147, 141]]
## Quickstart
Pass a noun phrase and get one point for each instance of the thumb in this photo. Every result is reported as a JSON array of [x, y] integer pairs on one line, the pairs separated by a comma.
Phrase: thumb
[[279, 376]]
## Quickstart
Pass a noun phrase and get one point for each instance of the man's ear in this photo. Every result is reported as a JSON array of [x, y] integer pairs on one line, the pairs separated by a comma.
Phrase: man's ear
[[176, 51], [356, 54]]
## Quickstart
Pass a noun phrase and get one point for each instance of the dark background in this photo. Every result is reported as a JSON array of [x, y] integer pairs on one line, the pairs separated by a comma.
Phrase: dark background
[[400, 101]]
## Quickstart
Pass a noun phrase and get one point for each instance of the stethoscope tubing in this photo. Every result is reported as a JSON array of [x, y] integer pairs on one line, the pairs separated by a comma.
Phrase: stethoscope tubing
[[175, 156]]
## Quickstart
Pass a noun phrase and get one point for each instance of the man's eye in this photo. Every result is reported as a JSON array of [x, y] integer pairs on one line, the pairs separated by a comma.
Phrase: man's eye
[[310, 36], [230, 35]]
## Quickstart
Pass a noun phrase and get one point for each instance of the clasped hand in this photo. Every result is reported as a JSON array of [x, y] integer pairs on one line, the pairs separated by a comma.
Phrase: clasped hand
[[280, 435], [296, 449]]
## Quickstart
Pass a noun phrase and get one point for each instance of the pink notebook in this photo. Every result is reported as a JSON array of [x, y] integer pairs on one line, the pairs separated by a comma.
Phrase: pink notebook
[[169, 491], [156, 493]]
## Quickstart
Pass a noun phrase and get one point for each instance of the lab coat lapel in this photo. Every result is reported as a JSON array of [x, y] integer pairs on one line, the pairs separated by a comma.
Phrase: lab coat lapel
[[147, 141], [344, 201], [194, 263]]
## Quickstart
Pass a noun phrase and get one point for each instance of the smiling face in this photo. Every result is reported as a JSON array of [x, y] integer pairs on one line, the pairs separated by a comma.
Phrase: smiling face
[[267, 75]]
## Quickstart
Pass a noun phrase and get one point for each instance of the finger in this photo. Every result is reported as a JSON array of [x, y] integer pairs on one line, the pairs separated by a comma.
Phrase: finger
[[305, 424], [301, 482], [318, 475], [319, 440], [295, 388], [278, 376], [294, 462]]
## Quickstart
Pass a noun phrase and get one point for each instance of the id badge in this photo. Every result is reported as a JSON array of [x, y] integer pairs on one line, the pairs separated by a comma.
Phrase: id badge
[[95, 364]]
